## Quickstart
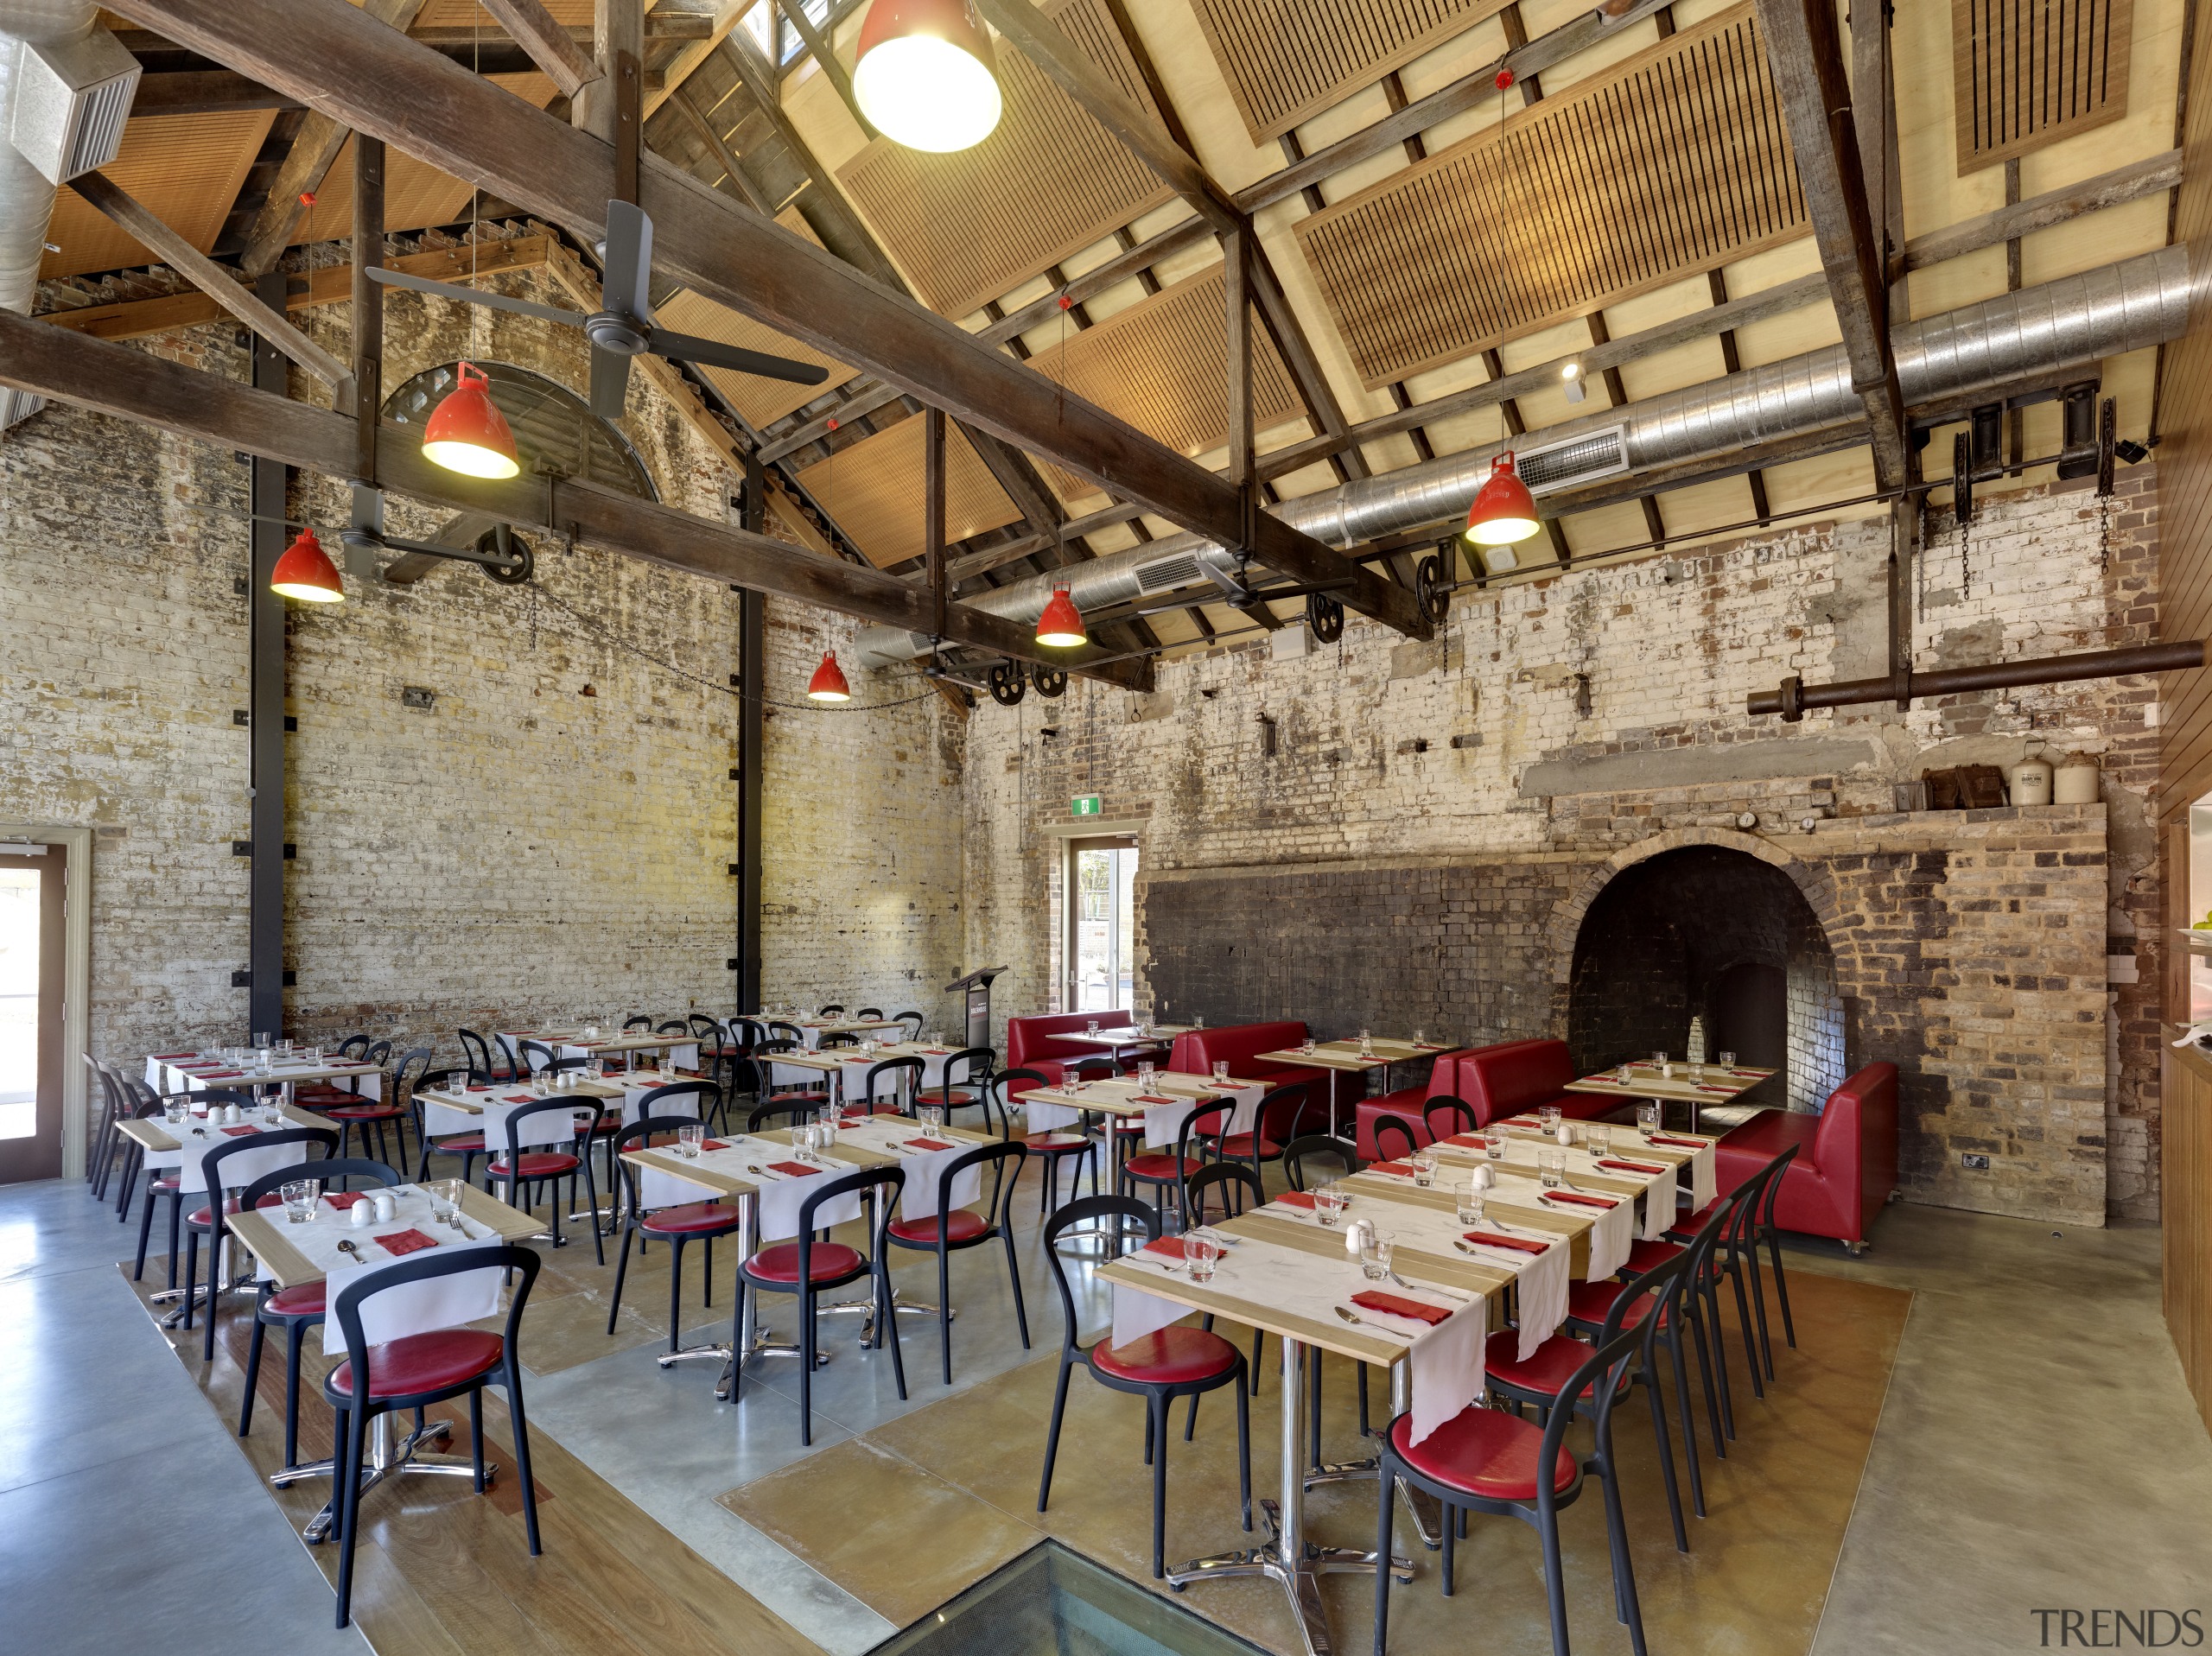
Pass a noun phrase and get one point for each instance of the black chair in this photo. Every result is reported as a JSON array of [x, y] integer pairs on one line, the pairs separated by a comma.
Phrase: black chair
[[168, 1184], [1239, 1184], [1299, 1151], [367, 1114], [716, 1051], [749, 1033], [1487, 1461], [1165, 1364], [761, 1068], [353, 1046], [518, 1167], [912, 1020], [294, 1310], [700, 1100], [532, 1057], [906, 1080], [1398, 1128], [480, 1058], [688, 1221], [1051, 1148], [869, 1012], [779, 1030], [965, 1085], [208, 1220], [1458, 1116], [641, 1021], [111, 1144], [1164, 1172], [1759, 1227], [1276, 1122], [835, 1039], [807, 1267], [950, 1229], [833, 1010], [139, 1103], [417, 1370], [467, 1146]]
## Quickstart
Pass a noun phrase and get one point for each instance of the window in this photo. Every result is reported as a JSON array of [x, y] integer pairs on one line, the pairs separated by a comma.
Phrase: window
[[551, 421], [1100, 951]]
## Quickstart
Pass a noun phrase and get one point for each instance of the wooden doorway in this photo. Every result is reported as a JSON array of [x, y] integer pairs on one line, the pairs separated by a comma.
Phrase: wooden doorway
[[33, 986]]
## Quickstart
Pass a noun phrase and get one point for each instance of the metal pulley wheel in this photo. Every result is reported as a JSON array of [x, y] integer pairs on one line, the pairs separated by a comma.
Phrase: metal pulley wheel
[[1325, 616], [1007, 682], [1049, 680]]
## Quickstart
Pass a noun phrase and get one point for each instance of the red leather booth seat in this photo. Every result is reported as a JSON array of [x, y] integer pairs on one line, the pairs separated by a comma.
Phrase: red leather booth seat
[[1847, 1161], [1196, 1052], [1035, 1043], [1408, 1103]]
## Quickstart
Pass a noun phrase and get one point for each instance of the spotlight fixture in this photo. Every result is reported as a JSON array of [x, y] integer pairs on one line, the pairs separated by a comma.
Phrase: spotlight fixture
[[1061, 625], [305, 572], [467, 433], [924, 75], [2130, 451], [1503, 510], [1570, 379], [828, 684]]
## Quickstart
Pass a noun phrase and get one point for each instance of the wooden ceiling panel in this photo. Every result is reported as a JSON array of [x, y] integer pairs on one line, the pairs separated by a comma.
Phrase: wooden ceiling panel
[[1285, 60], [1674, 160], [873, 493], [969, 226], [416, 193], [185, 169], [1162, 366], [467, 14], [2029, 72]]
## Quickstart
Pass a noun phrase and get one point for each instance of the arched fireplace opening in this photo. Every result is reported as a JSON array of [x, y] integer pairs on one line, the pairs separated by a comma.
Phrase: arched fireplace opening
[[1706, 932]]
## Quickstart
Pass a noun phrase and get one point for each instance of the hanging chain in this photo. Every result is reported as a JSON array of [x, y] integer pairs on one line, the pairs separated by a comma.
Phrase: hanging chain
[[2104, 535]]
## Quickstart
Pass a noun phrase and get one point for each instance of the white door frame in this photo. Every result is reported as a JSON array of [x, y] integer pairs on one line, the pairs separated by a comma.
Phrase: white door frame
[[76, 980]]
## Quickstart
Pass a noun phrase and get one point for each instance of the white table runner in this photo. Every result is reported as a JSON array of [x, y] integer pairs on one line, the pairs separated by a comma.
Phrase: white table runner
[[893, 1135], [780, 1193], [196, 1139], [1659, 1205], [169, 1074], [1444, 1361], [440, 1119], [444, 1302], [1162, 1122]]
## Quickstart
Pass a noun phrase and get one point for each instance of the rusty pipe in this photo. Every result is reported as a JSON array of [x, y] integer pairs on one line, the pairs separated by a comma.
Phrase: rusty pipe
[[1795, 696]]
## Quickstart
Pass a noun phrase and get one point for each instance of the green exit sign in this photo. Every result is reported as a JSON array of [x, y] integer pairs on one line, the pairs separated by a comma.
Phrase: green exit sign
[[1083, 805]]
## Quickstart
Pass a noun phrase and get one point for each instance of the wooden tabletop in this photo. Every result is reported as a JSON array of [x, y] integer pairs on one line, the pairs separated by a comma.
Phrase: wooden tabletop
[[262, 1233], [1125, 1035], [152, 1132], [1118, 1096], [662, 1159], [1390, 1049], [824, 1062], [1529, 1213], [1336, 1055], [250, 1075], [584, 1091], [644, 1041], [1646, 1082]]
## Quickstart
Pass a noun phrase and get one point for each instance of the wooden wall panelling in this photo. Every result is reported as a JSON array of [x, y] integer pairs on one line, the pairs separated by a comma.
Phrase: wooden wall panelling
[[2029, 72], [968, 227], [1673, 160], [2185, 1171], [185, 168], [1285, 60], [2185, 488], [873, 493]]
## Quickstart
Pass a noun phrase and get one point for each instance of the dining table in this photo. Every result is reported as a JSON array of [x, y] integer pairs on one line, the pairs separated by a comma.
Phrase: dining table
[[1701, 1086], [1115, 1039], [295, 1254], [811, 1030], [1343, 1058], [765, 1177], [1164, 1103], [190, 1072]]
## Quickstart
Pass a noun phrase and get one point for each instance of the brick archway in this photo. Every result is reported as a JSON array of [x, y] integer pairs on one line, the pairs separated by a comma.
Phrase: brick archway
[[1815, 883]]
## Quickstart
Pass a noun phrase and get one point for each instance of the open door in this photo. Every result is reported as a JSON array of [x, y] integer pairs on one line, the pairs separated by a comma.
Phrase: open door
[[32, 951]]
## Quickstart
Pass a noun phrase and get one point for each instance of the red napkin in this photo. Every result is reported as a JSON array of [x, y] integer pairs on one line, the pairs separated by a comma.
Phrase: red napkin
[[518, 1098], [171, 1057], [1431, 1046], [239, 1133], [1633, 1167], [931, 1144], [713, 1143], [1469, 1141], [1523, 1121], [1518, 1244], [1297, 1199], [1705, 1088], [1169, 1247], [797, 1169], [1398, 1168], [1684, 1144], [1150, 1098], [938, 1052], [486, 1088], [1398, 1305], [342, 1199], [402, 1242], [1581, 1200]]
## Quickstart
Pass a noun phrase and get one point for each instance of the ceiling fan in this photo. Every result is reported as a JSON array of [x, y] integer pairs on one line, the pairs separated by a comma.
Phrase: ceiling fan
[[624, 325]]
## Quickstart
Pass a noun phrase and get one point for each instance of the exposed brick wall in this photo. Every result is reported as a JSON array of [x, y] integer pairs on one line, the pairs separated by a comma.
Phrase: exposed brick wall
[[1434, 809], [522, 849]]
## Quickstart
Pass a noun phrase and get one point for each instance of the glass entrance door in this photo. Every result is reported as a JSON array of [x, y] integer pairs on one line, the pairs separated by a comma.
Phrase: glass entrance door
[[31, 954], [1101, 949]]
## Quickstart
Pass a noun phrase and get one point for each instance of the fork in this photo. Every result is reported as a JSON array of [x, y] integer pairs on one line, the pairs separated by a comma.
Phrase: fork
[[1361, 1322], [1431, 1288]]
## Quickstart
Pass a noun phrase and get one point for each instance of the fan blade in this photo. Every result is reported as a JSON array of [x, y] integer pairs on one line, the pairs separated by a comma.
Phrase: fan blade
[[713, 353], [627, 288], [610, 383], [476, 296]]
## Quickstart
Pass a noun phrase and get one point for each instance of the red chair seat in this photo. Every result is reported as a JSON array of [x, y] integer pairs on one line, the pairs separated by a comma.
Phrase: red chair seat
[[1160, 1167], [780, 1263], [201, 1218], [1484, 1451], [306, 1300], [1590, 1302], [937, 1095], [1239, 1145], [1649, 1256], [424, 1362], [962, 1226], [164, 1186], [1046, 1143], [1547, 1370], [804, 1096], [690, 1218], [468, 1144], [541, 1165], [368, 1112], [1172, 1356], [1690, 1223]]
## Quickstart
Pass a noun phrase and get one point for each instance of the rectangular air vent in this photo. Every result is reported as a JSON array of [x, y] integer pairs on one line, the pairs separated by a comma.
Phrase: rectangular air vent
[[2028, 72], [71, 100], [1166, 574], [1578, 459], [16, 405]]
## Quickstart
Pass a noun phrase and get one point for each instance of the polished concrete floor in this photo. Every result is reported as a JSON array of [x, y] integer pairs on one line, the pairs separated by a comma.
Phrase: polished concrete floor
[[2008, 1394]]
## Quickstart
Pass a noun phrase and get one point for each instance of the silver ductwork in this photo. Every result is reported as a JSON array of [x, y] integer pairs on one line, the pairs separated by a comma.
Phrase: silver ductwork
[[65, 93], [2038, 332]]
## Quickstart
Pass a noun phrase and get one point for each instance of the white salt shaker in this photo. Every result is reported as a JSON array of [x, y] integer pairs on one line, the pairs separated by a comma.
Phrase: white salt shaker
[[230, 1114], [1355, 1233], [362, 1215], [1484, 1176], [387, 1207], [1565, 1133]]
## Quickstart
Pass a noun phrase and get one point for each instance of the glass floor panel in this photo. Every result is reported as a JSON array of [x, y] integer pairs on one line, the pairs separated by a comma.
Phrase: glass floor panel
[[1052, 1602]]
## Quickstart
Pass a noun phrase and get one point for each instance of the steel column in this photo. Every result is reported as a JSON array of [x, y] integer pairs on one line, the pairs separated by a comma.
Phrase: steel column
[[265, 709], [751, 631]]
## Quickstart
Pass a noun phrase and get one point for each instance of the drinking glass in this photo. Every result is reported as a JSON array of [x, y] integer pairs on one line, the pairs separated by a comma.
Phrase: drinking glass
[[689, 1135], [1658, 1058], [1366, 1045], [1201, 1251], [1198, 1020], [937, 1037], [1091, 1028], [1420, 1036], [1597, 1138], [1146, 1070], [1221, 1072], [299, 1196], [173, 1111], [1647, 1116], [1494, 1146], [1625, 1073], [449, 1192], [1423, 1168], [1726, 1060], [1551, 1168], [263, 1040], [1328, 1204], [1470, 1203], [1375, 1255], [1549, 1116], [932, 1117]]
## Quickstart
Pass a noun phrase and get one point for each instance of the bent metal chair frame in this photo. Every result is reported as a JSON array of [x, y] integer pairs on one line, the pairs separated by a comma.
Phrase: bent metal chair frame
[[950, 1229], [555, 1163], [697, 1221]]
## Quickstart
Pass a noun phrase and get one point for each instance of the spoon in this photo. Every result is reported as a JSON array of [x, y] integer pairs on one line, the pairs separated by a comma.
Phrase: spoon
[[346, 1248]]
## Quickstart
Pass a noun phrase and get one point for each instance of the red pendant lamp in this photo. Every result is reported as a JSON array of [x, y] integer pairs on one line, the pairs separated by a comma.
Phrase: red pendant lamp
[[1503, 511], [1061, 625], [305, 572], [467, 434], [924, 74], [828, 683]]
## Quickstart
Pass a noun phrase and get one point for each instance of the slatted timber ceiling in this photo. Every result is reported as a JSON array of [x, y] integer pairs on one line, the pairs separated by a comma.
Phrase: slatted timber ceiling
[[970, 227], [185, 169], [1162, 366], [873, 491], [1285, 60], [1672, 162], [759, 400], [2028, 72]]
